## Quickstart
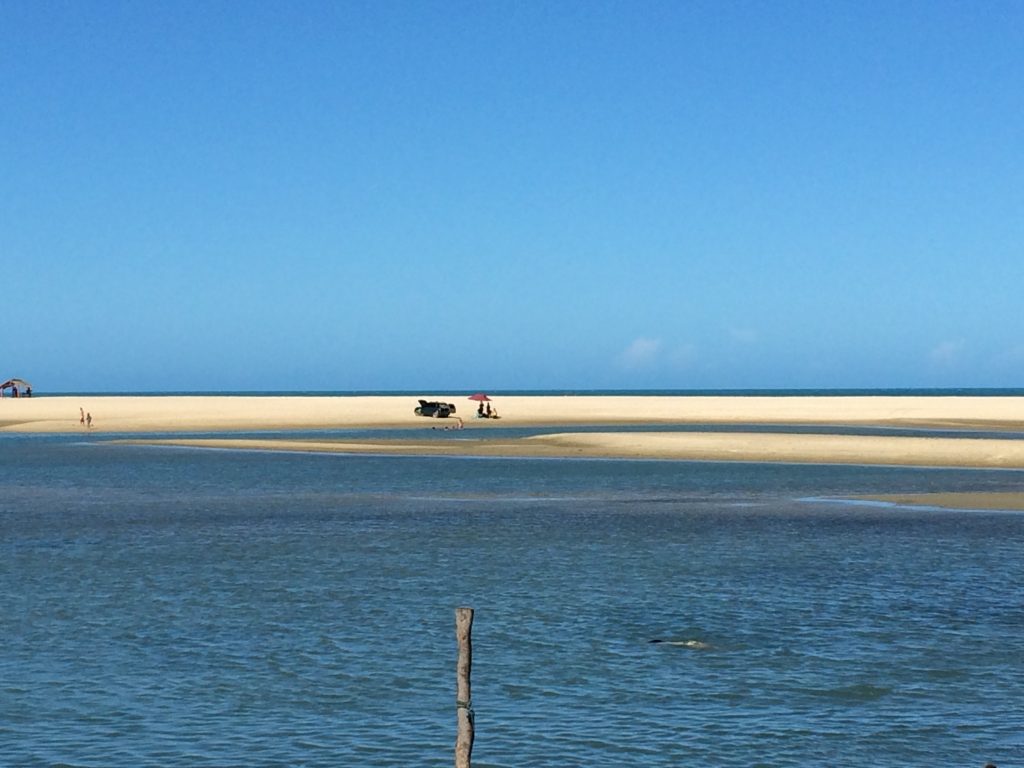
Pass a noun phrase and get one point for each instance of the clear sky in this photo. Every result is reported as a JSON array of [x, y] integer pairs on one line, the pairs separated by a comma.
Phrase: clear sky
[[511, 195]]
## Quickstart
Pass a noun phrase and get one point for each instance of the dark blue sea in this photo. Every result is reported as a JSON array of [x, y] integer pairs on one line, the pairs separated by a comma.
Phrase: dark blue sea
[[183, 607]]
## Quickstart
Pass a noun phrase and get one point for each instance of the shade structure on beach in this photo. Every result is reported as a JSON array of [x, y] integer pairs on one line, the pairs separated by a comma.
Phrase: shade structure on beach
[[479, 396], [12, 383]]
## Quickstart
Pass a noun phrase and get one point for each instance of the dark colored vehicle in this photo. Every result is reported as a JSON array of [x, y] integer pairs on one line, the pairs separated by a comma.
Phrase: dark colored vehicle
[[435, 409]]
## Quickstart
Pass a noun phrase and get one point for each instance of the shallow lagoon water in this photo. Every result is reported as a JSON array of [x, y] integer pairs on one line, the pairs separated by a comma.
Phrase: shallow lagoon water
[[174, 606]]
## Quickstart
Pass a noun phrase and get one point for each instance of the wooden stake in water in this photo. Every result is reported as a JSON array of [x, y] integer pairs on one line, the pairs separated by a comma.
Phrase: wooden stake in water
[[463, 700]]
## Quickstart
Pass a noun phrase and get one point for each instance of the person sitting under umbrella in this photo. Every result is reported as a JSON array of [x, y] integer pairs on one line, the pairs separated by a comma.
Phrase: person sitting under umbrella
[[484, 411]]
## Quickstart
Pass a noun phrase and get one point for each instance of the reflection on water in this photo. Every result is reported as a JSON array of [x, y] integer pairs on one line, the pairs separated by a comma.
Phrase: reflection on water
[[169, 606]]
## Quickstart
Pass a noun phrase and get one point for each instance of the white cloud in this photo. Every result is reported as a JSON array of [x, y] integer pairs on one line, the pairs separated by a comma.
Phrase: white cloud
[[641, 353], [947, 353]]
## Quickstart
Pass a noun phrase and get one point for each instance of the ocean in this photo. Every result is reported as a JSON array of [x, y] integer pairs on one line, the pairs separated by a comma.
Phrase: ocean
[[169, 606]]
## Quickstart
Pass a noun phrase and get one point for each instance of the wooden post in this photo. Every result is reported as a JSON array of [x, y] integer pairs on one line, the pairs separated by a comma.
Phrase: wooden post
[[463, 700]]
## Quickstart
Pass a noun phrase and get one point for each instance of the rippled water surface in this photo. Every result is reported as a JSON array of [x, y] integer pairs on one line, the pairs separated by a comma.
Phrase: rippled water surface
[[211, 608]]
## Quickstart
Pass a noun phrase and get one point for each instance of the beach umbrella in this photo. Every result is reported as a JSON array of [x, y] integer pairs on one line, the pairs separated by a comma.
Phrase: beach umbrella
[[480, 397]]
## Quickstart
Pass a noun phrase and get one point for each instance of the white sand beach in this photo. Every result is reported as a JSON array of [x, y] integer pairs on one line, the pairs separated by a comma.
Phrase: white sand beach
[[214, 413]]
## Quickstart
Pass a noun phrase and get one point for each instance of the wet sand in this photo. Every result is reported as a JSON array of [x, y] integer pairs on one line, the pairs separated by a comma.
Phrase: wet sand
[[967, 500], [688, 446]]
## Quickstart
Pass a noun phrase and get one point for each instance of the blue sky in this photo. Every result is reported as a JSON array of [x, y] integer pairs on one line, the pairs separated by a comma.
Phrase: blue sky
[[489, 195]]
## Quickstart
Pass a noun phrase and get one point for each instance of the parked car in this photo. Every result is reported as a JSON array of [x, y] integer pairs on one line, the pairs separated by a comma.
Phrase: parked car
[[435, 409]]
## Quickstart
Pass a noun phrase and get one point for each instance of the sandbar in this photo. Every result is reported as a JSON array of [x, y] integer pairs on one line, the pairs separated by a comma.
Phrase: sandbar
[[223, 413], [687, 446], [164, 419]]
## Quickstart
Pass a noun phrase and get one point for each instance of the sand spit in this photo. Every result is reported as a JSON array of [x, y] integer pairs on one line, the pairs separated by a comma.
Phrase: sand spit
[[168, 415], [689, 446]]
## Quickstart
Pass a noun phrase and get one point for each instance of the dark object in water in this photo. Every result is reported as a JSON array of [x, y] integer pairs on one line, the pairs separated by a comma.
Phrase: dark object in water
[[697, 645]]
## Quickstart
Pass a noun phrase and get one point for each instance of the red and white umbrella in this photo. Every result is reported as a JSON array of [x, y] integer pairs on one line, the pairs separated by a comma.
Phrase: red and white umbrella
[[480, 397]]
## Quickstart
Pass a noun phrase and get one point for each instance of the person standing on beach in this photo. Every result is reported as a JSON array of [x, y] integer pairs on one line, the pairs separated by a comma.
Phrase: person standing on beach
[[88, 421], [81, 415]]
